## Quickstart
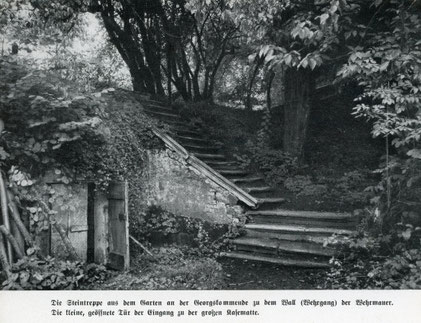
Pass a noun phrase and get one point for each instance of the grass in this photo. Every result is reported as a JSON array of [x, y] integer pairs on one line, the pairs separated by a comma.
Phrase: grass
[[171, 267]]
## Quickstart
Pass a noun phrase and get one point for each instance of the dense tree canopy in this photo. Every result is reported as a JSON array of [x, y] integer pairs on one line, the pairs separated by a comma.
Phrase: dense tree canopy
[[179, 46]]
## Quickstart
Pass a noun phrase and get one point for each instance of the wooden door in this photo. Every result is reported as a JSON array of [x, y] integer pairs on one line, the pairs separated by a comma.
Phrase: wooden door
[[118, 226], [71, 205]]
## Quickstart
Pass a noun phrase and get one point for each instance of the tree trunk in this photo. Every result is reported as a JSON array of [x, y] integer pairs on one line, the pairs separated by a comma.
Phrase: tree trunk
[[126, 45], [270, 78], [249, 104], [151, 48], [298, 89]]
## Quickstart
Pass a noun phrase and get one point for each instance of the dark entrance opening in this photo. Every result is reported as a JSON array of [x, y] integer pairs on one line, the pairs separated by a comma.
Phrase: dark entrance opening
[[91, 224]]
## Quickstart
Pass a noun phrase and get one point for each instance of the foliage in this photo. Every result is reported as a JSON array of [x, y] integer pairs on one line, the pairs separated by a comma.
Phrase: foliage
[[88, 59], [276, 165], [349, 189], [178, 269], [371, 260], [375, 43], [159, 226], [61, 37], [43, 122], [171, 267], [221, 124], [31, 24], [34, 273], [233, 83], [330, 192], [185, 40], [42, 119], [50, 127], [298, 183], [387, 66]]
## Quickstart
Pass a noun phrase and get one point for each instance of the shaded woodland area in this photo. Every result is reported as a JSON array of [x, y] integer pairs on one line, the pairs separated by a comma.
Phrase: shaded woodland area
[[322, 97]]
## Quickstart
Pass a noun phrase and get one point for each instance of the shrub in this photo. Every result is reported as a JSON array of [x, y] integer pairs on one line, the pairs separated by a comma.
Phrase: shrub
[[51, 127], [34, 273], [391, 261], [276, 165], [173, 267], [159, 226]]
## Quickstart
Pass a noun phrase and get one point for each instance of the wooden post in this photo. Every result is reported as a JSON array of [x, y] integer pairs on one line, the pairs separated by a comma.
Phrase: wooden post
[[13, 226], [3, 257], [118, 226], [5, 214], [21, 227], [20, 253]]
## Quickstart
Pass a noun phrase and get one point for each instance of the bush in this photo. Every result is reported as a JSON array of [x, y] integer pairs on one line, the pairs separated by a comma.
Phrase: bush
[[222, 124], [34, 273], [391, 261], [276, 165], [51, 127], [159, 226], [178, 268]]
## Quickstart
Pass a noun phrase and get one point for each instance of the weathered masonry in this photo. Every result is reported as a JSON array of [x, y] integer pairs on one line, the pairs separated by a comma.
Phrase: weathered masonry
[[183, 185]]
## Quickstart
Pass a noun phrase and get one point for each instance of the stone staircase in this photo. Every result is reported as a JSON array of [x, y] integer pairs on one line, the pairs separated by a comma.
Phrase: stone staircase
[[272, 234]]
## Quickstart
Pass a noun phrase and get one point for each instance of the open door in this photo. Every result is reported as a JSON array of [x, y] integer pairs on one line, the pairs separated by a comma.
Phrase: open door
[[118, 226], [71, 205]]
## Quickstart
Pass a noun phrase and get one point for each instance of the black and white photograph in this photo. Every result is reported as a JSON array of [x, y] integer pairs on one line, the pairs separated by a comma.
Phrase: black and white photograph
[[210, 145]]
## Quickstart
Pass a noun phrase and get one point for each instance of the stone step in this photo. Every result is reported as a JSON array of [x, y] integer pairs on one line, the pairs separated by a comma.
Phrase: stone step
[[296, 229], [247, 180], [201, 148], [205, 157], [232, 167], [175, 123], [286, 236], [260, 189], [187, 131], [282, 246], [276, 260], [289, 238], [232, 172], [304, 214], [308, 218], [157, 107], [163, 115], [192, 139], [271, 200], [265, 203], [156, 102], [216, 163]]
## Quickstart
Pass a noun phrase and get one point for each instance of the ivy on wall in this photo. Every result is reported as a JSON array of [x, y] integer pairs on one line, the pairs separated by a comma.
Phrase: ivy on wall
[[50, 128]]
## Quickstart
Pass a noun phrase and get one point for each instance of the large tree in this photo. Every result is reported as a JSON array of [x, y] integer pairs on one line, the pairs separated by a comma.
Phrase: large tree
[[180, 42], [177, 44], [306, 39]]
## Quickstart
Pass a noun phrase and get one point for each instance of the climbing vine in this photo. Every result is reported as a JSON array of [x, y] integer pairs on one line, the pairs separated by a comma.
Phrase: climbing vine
[[52, 131]]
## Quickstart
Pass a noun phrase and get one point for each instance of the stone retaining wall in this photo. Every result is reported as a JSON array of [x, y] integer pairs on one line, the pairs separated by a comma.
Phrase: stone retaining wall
[[169, 182]]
